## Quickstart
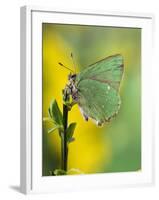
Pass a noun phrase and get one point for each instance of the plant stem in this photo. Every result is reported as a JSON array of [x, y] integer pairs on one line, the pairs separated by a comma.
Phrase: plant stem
[[64, 147]]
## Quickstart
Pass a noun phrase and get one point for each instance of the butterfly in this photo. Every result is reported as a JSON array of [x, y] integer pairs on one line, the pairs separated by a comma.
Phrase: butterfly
[[96, 89]]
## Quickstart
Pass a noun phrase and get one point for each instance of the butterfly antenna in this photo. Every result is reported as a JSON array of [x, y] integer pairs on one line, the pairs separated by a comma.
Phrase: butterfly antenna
[[73, 62], [65, 67]]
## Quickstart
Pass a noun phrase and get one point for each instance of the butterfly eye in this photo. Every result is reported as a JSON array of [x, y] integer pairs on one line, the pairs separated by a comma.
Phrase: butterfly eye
[[72, 77]]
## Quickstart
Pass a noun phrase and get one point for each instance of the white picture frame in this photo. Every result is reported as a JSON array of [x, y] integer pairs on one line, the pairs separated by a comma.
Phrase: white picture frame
[[31, 72]]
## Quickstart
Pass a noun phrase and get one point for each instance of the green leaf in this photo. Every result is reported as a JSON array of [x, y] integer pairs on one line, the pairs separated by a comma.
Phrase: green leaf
[[47, 119], [49, 112], [70, 132], [71, 140], [73, 171], [55, 113], [58, 172], [54, 128]]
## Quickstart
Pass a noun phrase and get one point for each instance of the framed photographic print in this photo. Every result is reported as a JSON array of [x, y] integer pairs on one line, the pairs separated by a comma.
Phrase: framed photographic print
[[86, 100]]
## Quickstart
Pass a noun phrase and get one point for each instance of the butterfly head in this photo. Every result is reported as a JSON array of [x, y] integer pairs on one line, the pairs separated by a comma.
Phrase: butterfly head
[[72, 78]]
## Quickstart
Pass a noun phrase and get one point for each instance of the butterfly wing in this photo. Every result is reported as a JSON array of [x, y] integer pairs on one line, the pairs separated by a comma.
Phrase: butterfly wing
[[109, 70], [98, 101], [98, 87]]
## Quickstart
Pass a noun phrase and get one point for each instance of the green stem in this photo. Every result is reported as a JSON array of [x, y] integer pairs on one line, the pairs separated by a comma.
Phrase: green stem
[[64, 139]]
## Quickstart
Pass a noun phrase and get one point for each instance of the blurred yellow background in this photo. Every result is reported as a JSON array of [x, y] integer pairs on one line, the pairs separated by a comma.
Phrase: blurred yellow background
[[116, 147]]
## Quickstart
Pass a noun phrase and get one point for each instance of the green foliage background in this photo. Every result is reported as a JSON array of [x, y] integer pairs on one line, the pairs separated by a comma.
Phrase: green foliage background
[[116, 147]]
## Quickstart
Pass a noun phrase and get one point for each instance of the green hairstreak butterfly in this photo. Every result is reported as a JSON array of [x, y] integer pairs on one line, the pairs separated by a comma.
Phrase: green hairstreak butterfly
[[96, 88]]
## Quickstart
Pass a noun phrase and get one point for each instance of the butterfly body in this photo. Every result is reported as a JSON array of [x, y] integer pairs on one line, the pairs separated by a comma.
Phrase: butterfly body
[[96, 89]]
